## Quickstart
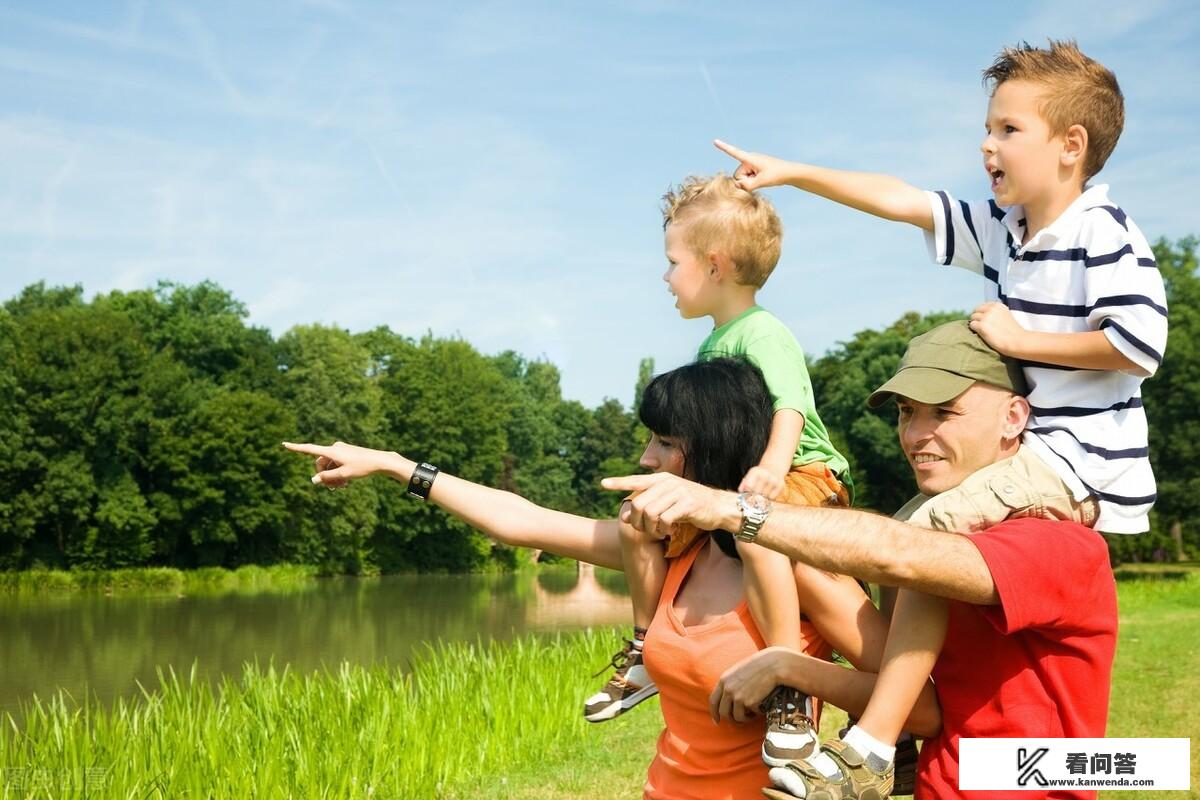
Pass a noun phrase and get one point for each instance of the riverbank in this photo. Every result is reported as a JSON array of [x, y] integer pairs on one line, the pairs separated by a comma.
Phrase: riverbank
[[169, 580], [499, 721], [155, 580]]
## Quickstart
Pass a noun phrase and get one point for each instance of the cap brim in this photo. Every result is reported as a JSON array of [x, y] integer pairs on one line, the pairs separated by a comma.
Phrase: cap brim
[[922, 384]]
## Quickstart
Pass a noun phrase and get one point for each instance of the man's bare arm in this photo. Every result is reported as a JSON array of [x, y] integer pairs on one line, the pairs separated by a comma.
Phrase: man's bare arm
[[881, 550], [868, 546]]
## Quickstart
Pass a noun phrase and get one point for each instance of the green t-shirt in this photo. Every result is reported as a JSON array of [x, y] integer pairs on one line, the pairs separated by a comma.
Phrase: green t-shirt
[[760, 336]]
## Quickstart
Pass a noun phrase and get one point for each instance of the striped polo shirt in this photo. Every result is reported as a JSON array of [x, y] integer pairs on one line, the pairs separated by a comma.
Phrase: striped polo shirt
[[1091, 269]]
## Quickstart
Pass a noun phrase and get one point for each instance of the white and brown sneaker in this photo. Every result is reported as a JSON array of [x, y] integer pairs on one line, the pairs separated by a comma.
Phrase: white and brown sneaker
[[790, 734], [627, 687]]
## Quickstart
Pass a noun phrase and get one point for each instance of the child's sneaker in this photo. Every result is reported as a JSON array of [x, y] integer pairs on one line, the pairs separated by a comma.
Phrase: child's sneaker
[[627, 687], [790, 734]]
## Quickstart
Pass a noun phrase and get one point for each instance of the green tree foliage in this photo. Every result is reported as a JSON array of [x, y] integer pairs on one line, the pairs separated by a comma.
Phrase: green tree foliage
[[17, 505], [842, 380], [1170, 399], [327, 386], [143, 428]]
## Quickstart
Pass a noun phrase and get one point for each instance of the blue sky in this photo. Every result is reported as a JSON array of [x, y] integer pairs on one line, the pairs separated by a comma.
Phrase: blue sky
[[493, 170]]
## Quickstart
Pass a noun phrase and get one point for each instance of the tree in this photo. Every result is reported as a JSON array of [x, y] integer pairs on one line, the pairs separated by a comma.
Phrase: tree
[[326, 383], [17, 503], [1170, 400], [204, 328], [79, 369], [447, 404], [842, 381]]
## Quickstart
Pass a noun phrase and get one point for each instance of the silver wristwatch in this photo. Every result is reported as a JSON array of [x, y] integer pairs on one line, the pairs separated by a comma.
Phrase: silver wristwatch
[[754, 508]]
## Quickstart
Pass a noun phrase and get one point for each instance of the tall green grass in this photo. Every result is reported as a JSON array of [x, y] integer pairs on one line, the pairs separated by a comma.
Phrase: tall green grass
[[499, 721], [156, 580], [461, 713]]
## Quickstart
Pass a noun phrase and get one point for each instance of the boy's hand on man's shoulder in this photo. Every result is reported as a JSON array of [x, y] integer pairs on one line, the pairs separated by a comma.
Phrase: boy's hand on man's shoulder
[[755, 170], [996, 325], [761, 480]]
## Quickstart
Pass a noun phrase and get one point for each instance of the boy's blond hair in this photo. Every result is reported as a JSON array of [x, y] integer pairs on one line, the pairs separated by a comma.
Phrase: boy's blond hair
[[1078, 91], [721, 217]]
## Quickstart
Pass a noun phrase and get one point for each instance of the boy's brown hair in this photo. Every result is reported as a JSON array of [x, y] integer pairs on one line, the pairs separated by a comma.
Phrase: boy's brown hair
[[719, 216], [1078, 91]]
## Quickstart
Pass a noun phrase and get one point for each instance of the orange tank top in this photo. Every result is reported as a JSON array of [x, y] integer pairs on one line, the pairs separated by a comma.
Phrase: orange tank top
[[695, 759]]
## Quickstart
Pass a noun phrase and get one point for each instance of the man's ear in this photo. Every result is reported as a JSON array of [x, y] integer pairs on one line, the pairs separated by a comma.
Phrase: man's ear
[[1016, 416], [720, 265], [1075, 142]]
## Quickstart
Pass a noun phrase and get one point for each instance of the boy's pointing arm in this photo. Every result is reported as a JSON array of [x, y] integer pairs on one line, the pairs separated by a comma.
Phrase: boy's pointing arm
[[881, 195]]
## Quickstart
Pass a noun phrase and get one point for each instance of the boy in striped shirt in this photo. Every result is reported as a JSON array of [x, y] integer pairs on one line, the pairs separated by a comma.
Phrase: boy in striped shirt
[[1072, 290]]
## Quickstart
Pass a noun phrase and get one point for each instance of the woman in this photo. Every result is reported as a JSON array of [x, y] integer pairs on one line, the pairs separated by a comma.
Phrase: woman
[[709, 422]]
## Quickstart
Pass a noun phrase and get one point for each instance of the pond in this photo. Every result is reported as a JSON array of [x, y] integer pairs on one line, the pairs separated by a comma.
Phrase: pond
[[90, 644]]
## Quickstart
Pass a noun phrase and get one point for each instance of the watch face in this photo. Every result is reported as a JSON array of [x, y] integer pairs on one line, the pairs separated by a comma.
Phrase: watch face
[[755, 502]]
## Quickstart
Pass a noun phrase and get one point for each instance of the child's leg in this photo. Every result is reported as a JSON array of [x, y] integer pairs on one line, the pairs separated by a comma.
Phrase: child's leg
[[914, 641], [768, 576], [646, 572], [774, 603], [771, 594]]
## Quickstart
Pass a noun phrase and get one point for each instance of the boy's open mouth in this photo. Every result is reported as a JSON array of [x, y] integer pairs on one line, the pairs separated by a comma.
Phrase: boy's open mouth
[[997, 176]]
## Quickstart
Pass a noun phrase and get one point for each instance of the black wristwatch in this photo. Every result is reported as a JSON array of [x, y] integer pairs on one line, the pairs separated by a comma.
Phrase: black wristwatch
[[754, 508], [422, 480]]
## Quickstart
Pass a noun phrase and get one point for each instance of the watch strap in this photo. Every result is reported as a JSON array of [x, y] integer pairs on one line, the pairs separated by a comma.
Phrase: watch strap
[[422, 480]]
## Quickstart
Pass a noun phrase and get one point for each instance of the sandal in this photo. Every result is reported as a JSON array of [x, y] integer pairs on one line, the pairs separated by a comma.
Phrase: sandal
[[856, 782]]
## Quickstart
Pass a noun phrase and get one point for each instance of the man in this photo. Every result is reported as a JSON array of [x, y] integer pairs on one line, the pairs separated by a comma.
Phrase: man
[[1032, 618]]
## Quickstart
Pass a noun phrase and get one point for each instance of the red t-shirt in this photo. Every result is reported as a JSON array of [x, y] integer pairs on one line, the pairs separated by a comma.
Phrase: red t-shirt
[[1037, 664]]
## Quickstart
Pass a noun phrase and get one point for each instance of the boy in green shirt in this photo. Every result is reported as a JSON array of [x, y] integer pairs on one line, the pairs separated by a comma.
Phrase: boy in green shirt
[[722, 243]]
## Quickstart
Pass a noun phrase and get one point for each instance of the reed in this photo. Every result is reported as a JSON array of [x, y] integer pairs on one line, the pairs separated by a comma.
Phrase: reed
[[155, 580], [462, 714], [495, 720]]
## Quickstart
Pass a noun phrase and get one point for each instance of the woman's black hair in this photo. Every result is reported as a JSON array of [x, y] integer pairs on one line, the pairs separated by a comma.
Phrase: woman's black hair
[[720, 411]]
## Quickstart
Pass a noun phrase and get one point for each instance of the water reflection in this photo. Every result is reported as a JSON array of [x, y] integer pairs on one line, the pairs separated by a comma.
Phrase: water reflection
[[104, 645]]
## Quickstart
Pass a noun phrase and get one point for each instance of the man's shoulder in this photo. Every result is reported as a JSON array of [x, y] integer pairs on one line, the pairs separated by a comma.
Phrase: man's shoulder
[[1049, 575], [1028, 541], [1017, 526]]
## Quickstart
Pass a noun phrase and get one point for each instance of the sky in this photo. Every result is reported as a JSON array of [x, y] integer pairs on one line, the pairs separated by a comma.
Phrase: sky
[[494, 170]]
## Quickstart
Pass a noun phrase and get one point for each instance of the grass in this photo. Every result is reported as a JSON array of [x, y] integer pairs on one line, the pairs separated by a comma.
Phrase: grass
[[461, 713], [155, 580], [1156, 676], [494, 721]]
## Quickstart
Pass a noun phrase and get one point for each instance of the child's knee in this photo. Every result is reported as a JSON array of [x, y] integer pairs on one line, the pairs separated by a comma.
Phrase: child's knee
[[751, 553], [760, 560]]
